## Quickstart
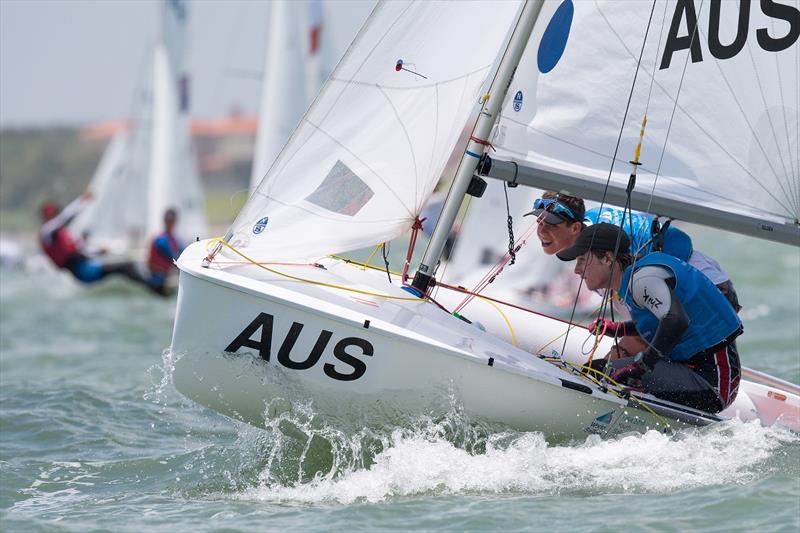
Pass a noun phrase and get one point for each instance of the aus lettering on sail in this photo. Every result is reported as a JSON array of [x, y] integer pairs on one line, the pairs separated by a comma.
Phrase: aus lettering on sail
[[250, 337], [769, 35]]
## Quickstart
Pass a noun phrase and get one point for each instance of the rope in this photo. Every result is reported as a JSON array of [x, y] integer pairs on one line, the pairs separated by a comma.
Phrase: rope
[[495, 271], [415, 229], [611, 170], [375, 251], [311, 281], [482, 142]]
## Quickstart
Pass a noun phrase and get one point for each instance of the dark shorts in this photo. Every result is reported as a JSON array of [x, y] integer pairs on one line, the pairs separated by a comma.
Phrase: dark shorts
[[708, 381]]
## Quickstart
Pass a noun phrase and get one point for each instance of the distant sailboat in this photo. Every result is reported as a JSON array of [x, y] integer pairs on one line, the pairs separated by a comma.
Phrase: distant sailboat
[[265, 314], [292, 76], [152, 165]]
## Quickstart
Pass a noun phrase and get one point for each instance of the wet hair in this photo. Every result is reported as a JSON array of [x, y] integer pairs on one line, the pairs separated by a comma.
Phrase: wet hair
[[574, 203]]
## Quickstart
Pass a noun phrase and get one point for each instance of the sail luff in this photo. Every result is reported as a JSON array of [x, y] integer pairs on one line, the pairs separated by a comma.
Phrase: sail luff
[[476, 147], [786, 233]]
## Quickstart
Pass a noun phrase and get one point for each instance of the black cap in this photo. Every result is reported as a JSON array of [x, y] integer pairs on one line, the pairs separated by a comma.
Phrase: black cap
[[602, 237]]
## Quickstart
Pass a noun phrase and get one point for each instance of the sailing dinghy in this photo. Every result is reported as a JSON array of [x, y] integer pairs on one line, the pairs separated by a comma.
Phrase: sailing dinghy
[[267, 316], [151, 165]]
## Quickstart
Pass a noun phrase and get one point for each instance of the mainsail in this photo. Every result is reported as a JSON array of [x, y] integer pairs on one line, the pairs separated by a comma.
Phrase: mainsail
[[371, 148], [718, 83]]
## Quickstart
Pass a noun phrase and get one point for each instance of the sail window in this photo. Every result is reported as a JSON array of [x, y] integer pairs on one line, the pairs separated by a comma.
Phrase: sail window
[[341, 191]]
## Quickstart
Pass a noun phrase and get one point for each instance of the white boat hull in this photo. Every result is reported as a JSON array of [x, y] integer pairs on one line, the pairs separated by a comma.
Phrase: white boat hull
[[249, 347]]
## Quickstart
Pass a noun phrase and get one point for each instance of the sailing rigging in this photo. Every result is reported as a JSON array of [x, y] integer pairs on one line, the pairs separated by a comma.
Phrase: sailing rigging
[[366, 157]]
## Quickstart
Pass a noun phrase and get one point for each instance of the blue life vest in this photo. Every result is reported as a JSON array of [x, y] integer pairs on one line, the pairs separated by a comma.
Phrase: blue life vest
[[711, 318], [639, 228]]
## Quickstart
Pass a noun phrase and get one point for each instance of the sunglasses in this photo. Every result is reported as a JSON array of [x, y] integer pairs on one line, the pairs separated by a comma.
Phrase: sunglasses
[[554, 206]]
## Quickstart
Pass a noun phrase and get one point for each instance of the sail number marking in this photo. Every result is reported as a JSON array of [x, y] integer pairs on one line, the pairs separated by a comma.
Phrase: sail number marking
[[258, 336]]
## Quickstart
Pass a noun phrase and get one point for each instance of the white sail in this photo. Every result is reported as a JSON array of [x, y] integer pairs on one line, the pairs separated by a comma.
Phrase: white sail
[[284, 94], [151, 166], [370, 150], [174, 180], [722, 109], [107, 217]]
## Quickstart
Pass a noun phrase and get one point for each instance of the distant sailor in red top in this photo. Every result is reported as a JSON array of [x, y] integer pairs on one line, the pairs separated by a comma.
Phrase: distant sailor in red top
[[164, 250], [68, 253]]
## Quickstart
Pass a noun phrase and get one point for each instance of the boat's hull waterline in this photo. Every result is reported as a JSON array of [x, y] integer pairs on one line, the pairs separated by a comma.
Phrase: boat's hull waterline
[[247, 346]]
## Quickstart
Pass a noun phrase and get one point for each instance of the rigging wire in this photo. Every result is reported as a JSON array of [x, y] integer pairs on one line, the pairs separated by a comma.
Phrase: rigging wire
[[611, 169]]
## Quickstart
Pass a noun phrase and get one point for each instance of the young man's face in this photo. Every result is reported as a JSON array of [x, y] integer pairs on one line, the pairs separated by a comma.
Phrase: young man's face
[[557, 237], [596, 271]]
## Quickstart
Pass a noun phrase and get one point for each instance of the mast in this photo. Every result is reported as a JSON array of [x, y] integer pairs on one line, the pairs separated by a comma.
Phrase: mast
[[474, 149]]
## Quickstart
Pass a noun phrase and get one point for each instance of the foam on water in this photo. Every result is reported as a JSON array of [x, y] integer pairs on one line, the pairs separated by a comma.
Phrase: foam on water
[[301, 457], [426, 461]]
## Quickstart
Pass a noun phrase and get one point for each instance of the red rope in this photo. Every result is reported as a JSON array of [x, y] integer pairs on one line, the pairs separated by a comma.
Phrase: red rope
[[415, 229], [495, 271], [501, 302], [482, 142]]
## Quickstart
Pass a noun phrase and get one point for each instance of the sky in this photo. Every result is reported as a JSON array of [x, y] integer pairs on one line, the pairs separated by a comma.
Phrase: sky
[[74, 62]]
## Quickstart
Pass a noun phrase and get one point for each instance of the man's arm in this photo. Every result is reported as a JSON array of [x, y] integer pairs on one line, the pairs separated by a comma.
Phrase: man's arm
[[65, 216], [651, 289]]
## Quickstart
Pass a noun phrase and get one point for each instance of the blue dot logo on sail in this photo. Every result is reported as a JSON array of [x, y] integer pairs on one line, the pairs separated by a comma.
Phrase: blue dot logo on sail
[[260, 225], [555, 36], [518, 101]]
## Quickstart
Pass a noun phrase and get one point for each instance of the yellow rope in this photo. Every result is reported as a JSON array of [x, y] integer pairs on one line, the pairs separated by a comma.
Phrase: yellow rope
[[505, 318], [590, 370], [362, 264], [369, 259], [314, 282]]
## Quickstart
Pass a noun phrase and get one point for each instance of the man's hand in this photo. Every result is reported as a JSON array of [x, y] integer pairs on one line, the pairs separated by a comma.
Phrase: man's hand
[[87, 195], [632, 371], [607, 327]]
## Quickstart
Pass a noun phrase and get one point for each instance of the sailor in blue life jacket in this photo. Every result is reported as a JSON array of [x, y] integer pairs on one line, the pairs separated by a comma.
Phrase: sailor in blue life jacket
[[648, 235], [164, 250], [688, 325], [68, 253], [561, 218]]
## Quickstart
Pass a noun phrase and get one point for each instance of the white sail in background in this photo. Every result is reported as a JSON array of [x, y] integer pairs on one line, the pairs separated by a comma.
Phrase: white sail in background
[[372, 147], [284, 93], [722, 109], [107, 217], [151, 166], [174, 180]]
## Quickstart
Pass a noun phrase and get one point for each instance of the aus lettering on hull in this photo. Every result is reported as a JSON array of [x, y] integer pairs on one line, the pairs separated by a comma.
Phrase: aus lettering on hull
[[258, 335]]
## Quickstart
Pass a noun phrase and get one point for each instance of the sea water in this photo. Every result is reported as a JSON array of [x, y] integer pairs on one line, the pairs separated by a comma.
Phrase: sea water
[[94, 437]]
